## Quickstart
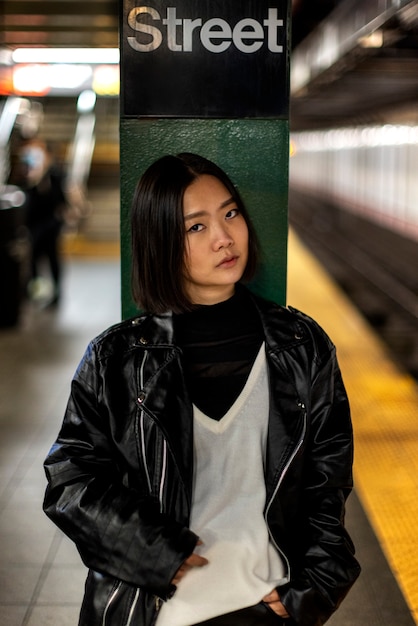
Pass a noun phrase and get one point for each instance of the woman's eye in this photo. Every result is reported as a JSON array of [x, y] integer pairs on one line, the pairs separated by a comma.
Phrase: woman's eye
[[231, 213], [195, 228]]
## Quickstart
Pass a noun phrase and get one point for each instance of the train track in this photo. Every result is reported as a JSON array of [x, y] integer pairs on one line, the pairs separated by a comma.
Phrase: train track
[[375, 267]]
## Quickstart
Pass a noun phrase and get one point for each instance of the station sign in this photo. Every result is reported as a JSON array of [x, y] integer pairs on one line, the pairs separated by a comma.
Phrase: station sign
[[194, 58]]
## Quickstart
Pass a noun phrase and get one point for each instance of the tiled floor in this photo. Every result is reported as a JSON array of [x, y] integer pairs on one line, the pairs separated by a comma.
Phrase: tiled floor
[[41, 576]]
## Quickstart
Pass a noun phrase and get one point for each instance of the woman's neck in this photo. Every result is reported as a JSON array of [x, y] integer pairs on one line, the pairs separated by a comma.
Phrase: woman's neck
[[208, 296]]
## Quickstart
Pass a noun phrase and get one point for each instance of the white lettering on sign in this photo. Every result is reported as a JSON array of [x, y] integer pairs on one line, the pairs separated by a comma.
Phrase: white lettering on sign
[[216, 35]]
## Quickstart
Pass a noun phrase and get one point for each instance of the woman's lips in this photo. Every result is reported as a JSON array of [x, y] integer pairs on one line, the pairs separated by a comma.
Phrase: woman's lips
[[229, 261]]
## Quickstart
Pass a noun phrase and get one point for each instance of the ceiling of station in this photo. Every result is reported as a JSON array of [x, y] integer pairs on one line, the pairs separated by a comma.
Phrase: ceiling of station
[[60, 23], [374, 82], [365, 86], [377, 89]]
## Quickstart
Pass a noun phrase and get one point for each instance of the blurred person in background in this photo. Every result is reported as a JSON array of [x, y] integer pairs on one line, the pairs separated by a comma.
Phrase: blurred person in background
[[46, 203]]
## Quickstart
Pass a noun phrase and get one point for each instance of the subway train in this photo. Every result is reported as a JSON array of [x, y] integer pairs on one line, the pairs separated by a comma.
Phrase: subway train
[[354, 200], [370, 170]]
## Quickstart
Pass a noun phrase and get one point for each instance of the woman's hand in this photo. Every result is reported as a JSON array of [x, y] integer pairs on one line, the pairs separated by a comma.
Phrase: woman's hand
[[194, 560], [273, 600]]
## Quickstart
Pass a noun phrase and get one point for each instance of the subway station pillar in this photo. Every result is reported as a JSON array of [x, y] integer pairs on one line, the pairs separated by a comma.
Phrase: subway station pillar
[[210, 78]]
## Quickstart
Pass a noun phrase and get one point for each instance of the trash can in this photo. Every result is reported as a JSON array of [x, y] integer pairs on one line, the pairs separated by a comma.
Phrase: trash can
[[14, 253]]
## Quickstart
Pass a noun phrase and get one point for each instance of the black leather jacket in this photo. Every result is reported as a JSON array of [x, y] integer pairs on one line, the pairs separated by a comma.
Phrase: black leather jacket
[[120, 472]]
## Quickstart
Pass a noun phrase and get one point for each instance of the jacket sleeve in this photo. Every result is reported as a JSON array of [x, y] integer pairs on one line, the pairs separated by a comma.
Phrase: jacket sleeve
[[327, 569], [118, 530]]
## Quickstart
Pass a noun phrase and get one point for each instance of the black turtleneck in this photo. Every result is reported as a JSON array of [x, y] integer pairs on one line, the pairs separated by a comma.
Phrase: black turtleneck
[[220, 343]]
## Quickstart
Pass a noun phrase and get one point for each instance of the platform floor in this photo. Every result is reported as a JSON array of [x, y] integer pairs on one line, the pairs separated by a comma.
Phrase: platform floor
[[41, 576], [384, 403]]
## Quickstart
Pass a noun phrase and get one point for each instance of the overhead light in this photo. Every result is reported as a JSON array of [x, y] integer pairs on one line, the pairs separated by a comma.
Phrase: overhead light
[[355, 137], [66, 55], [40, 79], [106, 80], [374, 40], [86, 101]]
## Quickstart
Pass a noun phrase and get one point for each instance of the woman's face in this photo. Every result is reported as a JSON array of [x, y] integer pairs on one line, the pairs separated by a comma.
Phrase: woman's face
[[216, 241]]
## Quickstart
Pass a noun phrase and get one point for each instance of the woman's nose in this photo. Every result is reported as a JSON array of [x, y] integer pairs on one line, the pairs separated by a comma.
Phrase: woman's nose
[[222, 238]]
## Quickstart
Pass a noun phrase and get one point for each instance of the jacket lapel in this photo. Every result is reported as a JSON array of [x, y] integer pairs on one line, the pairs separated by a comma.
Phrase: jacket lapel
[[164, 393], [284, 337]]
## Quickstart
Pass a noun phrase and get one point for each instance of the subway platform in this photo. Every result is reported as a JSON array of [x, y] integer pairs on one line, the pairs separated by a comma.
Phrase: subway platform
[[41, 576]]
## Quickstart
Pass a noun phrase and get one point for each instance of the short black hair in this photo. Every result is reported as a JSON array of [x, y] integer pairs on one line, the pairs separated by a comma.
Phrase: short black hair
[[158, 232]]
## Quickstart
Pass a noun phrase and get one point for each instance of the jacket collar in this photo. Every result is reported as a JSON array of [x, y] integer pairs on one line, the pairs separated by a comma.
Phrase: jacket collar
[[282, 329]]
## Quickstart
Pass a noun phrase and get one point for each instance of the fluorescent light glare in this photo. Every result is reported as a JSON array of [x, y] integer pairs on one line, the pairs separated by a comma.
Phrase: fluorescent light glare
[[40, 79], [66, 55], [355, 138], [374, 40], [86, 101]]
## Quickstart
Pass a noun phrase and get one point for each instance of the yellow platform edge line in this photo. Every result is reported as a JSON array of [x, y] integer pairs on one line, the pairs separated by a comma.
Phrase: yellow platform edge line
[[384, 404], [76, 245]]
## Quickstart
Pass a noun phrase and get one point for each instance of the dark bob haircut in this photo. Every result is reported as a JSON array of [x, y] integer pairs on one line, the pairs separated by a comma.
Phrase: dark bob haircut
[[158, 232]]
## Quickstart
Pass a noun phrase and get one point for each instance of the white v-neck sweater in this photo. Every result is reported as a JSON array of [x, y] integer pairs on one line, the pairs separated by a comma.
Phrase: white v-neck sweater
[[227, 511]]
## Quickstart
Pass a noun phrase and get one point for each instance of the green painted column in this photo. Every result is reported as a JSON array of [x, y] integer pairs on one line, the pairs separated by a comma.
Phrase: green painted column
[[254, 152]]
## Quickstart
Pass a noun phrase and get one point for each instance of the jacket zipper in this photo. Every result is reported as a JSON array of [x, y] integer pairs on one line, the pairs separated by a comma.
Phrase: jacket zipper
[[113, 598], [110, 602], [158, 603], [133, 606], [163, 475], [143, 450], [279, 482], [143, 447]]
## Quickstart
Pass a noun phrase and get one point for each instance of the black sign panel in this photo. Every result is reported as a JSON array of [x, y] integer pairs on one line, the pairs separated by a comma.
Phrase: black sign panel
[[202, 58]]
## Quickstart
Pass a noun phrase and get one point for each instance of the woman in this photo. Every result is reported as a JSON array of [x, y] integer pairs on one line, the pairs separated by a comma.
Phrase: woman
[[205, 456]]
